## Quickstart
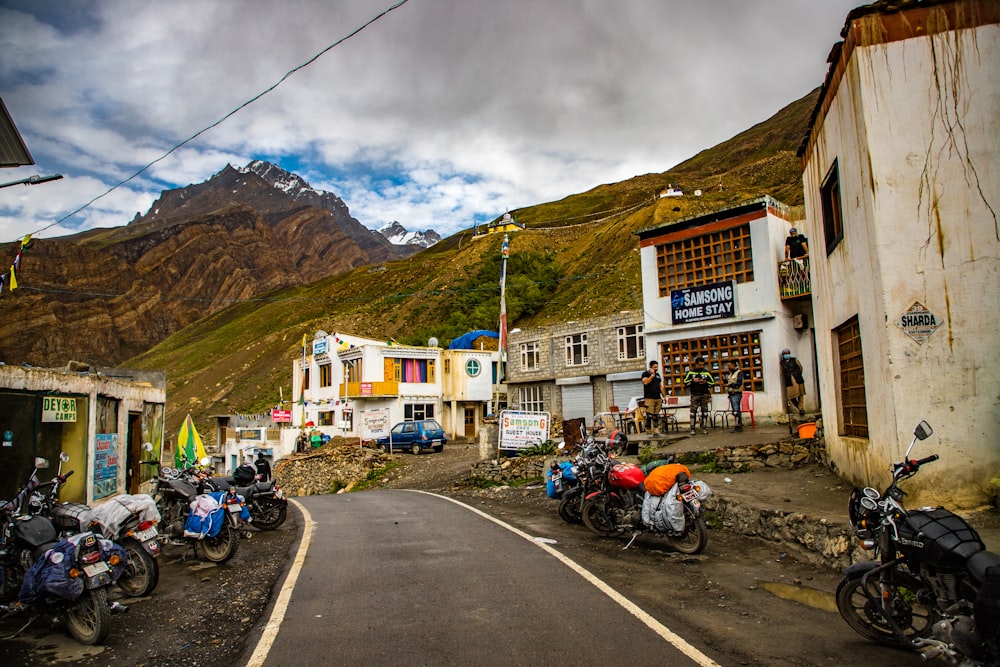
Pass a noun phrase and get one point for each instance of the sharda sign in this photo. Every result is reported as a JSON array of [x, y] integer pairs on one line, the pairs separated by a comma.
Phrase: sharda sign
[[704, 302]]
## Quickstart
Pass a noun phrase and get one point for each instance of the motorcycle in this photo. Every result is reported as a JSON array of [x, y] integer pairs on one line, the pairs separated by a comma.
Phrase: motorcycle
[[264, 500], [586, 468], [190, 520], [933, 586], [70, 575], [129, 521], [621, 505]]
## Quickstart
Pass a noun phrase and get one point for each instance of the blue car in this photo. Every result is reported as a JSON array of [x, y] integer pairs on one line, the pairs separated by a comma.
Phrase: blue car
[[414, 437]]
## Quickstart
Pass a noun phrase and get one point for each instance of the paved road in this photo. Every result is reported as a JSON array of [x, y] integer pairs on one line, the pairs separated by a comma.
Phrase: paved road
[[407, 578]]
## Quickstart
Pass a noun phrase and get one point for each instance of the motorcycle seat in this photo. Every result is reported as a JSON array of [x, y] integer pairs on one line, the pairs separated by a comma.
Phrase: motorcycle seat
[[980, 562]]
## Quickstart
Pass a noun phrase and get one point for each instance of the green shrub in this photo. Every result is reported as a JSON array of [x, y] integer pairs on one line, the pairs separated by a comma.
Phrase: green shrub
[[546, 448]]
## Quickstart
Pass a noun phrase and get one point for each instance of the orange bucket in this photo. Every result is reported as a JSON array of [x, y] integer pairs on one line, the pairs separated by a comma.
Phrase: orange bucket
[[807, 430]]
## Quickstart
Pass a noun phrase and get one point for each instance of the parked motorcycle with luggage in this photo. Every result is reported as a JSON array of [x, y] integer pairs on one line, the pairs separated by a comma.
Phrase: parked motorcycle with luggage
[[264, 500], [933, 587], [128, 520], [622, 505], [206, 523], [588, 466], [68, 576]]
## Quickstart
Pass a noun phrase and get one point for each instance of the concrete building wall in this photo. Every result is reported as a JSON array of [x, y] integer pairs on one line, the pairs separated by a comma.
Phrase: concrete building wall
[[912, 124]]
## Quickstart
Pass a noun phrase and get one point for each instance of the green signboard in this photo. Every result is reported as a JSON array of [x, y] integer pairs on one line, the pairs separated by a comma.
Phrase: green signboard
[[58, 409]]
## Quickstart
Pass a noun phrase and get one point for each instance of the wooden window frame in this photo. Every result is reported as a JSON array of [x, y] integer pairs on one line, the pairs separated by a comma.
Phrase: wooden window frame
[[851, 375], [833, 212], [631, 333], [720, 255], [577, 343], [531, 398], [326, 375], [530, 356], [677, 358]]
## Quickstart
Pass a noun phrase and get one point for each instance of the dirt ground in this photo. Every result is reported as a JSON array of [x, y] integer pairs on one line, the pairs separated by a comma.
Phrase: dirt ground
[[202, 614]]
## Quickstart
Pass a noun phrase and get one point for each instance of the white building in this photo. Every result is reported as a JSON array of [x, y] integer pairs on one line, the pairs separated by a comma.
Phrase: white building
[[344, 376], [717, 286], [902, 193]]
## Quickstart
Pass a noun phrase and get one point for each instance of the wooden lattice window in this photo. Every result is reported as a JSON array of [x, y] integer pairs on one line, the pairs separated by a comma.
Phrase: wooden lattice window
[[854, 408], [710, 258], [677, 357]]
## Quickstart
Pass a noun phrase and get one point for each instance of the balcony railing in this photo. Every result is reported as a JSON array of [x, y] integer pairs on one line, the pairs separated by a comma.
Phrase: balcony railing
[[366, 389], [793, 278]]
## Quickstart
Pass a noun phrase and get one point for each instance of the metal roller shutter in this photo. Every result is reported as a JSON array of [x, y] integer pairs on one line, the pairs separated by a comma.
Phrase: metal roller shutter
[[624, 391], [578, 401]]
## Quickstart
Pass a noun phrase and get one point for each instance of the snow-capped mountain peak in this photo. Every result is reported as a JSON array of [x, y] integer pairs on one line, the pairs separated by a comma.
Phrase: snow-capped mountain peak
[[397, 235]]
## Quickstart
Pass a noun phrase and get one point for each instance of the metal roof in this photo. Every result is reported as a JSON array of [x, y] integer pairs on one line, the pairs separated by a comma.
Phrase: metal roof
[[13, 152]]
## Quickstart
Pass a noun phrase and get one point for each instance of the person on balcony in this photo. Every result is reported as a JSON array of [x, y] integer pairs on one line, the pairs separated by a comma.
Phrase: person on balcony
[[796, 245]]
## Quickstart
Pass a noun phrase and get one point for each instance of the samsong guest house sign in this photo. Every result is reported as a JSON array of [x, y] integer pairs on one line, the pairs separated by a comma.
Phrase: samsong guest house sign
[[704, 302]]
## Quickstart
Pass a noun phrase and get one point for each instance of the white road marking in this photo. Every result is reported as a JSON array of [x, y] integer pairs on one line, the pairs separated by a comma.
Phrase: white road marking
[[663, 631], [281, 605]]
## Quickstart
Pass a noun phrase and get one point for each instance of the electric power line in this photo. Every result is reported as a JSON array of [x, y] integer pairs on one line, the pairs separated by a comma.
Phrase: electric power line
[[253, 99]]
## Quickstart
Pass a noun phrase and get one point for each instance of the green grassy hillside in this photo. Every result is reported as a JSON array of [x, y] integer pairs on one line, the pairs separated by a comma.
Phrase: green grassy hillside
[[580, 253]]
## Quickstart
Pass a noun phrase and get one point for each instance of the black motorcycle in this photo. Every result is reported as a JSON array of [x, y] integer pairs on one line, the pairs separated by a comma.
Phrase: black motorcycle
[[127, 520], [61, 576], [264, 500], [934, 587], [176, 490]]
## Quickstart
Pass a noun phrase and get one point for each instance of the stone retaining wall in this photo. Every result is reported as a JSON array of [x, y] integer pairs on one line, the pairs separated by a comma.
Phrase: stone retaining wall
[[509, 470], [788, 453]]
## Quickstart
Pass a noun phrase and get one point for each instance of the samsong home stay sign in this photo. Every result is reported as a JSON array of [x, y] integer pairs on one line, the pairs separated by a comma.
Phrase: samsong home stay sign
[[704, 302]]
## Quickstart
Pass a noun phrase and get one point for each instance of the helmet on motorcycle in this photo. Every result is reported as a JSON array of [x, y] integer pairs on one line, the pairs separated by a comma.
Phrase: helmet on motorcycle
[[617, 441]]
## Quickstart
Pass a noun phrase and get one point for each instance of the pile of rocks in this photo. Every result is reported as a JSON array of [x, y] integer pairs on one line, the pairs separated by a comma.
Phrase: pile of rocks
[[785, 454], [507, 470], [328, 468]]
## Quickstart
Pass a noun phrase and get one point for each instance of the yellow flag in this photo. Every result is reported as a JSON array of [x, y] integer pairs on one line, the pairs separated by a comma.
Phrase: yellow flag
[[13, 279], [26, 240]]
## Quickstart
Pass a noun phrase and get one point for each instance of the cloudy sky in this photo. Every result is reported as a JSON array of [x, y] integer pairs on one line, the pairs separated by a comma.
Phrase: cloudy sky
[[439, 114]]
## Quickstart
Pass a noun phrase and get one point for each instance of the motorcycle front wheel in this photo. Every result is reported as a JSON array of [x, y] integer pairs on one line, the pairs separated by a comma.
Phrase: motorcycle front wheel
[[222, 547], [89, 617], [865, 615], [269, 513], [599, 515], [694, 539], [569, 505], [141, 572]]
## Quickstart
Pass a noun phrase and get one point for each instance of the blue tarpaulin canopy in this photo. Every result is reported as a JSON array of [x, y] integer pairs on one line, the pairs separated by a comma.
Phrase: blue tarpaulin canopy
[[465, 341]]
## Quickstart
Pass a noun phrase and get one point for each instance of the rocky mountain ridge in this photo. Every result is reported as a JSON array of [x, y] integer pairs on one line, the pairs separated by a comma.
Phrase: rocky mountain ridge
[[398, 235], [105, 295]]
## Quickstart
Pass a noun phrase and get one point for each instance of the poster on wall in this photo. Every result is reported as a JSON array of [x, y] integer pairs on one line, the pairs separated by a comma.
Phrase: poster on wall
[[519, 430], [105, 464], [918, 323], [58, 409]]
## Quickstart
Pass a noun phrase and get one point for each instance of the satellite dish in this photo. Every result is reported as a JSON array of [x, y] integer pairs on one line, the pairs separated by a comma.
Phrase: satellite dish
[[432, 342], [320, 334]]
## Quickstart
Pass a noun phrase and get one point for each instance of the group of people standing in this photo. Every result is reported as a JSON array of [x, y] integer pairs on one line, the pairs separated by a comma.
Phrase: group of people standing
[[699, 383]]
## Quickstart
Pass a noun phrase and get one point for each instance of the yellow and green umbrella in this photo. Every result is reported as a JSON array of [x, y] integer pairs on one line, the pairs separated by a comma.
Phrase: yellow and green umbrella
[[189, 445]]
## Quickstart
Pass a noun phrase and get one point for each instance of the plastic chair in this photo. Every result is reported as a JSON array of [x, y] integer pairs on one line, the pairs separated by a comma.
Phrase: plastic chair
[[746, 405]]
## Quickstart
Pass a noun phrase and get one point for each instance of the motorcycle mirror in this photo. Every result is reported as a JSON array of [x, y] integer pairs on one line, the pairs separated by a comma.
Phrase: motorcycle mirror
[[205, 461], [147, 446], [561, 446], [41, 463], [64, 457], [923, 430]]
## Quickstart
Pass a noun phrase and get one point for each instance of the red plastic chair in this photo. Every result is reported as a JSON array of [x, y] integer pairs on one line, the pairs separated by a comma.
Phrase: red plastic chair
[[746, 405]]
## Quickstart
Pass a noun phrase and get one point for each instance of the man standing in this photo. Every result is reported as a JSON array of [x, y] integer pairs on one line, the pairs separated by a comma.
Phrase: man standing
[[734, 385], [699, 383], [263, 467], [652, 394], [795, 384], [796, 245]]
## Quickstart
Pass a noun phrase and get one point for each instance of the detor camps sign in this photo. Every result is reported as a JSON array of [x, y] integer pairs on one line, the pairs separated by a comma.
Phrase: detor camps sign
[[704, 302]]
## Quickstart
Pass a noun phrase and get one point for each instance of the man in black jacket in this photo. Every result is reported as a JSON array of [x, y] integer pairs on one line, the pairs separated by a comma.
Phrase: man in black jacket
[[699, 383], [263, 467]]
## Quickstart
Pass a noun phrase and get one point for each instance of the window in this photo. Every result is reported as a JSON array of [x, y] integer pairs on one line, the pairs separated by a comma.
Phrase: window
[[305, 378], [854, 409], [530, 399], [326, 418], [447, 366], [472, 367], [418, 411], [678, 357], [352, 370], [576, 350], [325, 375], [530, 356], [348, 418], [833, 219], [631, 342], [709, 258], [413, 370]]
